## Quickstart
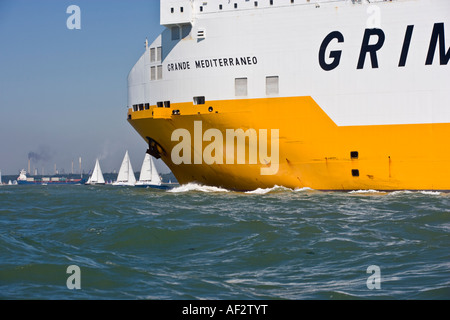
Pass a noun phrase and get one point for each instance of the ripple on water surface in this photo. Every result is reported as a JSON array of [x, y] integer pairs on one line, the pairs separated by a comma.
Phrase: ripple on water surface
[[197, 242]]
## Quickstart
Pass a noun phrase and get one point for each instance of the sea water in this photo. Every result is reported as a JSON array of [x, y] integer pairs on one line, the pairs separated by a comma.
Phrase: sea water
[[197, 242]]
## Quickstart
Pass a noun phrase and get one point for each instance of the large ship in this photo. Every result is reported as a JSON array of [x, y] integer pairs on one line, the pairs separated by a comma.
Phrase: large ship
[[330, 95], [24, 180]]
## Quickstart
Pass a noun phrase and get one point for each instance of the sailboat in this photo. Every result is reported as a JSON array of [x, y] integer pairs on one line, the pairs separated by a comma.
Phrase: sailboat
[[1, 183], [126, 174], [149, 177], [97, 175]]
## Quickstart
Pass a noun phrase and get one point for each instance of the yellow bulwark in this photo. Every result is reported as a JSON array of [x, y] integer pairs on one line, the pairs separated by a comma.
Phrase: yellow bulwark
[[313, 151]]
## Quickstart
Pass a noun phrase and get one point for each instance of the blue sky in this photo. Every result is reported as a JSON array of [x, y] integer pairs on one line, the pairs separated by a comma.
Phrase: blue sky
[[63, 93]]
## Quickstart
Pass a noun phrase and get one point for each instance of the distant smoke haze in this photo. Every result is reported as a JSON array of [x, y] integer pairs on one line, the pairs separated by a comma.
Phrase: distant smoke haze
[[43, 154]]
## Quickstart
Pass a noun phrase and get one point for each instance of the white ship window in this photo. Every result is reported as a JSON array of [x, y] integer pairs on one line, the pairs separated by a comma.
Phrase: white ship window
[[152, 55], [220, 7], [201, 9], [181, 9], [153, 73], [256, 3], [271, 2], [172, 10], [175, 33], [272, 85], [158, 53], [240, 86], [159, 72], [199, 100], [235, 5]]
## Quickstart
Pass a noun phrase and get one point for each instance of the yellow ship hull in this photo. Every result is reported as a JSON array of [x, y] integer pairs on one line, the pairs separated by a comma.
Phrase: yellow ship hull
[[313, 151]]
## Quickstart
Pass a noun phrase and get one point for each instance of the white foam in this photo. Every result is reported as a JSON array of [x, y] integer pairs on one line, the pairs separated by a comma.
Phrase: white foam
[[400, 192], [267, 190], [425, 192], [260, 191], [365, 191], [196, 187], [303, 189], [434, 193]]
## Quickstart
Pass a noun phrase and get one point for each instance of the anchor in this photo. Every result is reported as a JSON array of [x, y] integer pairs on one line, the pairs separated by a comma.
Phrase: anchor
[[155, 149]]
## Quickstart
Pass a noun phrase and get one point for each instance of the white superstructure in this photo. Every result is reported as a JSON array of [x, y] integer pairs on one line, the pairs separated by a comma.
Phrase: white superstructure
[[196, 61]]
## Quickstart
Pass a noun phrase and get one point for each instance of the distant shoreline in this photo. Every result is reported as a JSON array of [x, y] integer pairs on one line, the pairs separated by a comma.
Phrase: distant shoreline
[[166, 177]]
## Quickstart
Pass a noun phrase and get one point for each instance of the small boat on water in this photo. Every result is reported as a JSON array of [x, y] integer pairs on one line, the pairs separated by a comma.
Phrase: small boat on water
[[24, 180], [126, 174], [96, 177], [149, 177]]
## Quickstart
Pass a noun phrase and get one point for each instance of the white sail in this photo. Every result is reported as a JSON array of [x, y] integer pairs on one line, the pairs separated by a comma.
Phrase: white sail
[[146, 169], [126, 173], [149, 173], [155, 175], [1, 178], [97, 175]]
